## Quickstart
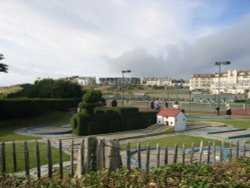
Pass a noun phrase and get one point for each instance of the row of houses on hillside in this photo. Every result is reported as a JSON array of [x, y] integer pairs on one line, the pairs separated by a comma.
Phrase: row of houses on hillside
[[231, 81]]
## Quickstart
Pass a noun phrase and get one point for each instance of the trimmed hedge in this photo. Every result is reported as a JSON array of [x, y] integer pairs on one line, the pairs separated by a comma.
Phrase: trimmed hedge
[[111, 119], [16, 108], [88, 124]]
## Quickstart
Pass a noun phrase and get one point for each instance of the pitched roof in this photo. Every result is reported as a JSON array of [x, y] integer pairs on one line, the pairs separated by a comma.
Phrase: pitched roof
[[169, 112]]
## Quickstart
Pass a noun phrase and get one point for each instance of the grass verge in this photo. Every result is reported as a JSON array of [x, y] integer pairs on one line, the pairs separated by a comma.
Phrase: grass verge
[[8, 127], [170, 141], [237, 123], [32, 156]]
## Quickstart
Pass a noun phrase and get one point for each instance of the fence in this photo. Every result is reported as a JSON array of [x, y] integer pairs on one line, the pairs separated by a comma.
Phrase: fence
[[192, 107], [96, 154]]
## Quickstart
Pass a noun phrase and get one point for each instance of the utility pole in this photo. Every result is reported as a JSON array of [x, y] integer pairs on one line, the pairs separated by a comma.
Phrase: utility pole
[[219, 82]]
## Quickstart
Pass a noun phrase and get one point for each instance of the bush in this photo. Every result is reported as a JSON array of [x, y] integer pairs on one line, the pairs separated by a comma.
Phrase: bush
[[97, 123], [231, 174], [49, 88], [92, 96], [93, 128], [16, 108], [148, 117], [240, 101], [110, 119], [89, 107]]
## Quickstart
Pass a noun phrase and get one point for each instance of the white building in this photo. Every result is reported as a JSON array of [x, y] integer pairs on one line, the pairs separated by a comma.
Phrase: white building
[[156, 81], [172, 117], [82, 80], [235, 82], [232, 81], [201, 81]]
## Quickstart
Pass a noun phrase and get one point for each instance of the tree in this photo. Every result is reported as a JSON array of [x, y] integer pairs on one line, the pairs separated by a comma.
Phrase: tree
[[49, 88], [91, 99], [92, 96], [3, 67]]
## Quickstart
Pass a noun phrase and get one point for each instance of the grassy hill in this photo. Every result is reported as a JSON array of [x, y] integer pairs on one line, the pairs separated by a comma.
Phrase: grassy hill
[[9, 89]]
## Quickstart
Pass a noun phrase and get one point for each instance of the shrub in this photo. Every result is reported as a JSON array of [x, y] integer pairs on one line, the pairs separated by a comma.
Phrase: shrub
[[110, 119], [148, 117], [89, 107], [49, 88], [93, 128], [92, 96], [16, 108]]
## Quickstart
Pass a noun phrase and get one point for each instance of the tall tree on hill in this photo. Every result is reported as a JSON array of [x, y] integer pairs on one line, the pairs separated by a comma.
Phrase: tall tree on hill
[[3, 67]]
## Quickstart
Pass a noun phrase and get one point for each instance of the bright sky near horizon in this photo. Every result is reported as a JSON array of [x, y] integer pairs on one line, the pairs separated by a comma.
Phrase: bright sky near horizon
[[173, 38]]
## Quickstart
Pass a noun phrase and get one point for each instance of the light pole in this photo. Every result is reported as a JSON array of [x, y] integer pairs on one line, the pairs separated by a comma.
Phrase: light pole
[[123, 72], [219, 94]]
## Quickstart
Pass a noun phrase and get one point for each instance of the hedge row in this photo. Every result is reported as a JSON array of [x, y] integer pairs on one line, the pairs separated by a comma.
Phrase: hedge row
[[16, 108], [111, 119]]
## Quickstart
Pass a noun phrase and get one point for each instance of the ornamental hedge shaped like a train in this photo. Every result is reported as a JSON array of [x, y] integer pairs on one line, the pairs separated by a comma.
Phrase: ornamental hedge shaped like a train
[[111, 119]]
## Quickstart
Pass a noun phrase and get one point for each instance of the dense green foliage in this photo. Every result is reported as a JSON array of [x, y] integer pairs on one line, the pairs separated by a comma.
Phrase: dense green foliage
[[16, 108], [49, 88], [234, 174], [3, 67], [111, 119], [90, 100], [95, 118], [92, 96]]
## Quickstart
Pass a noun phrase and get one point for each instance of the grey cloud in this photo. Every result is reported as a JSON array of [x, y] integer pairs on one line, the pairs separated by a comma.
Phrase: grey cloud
[[183, 59]]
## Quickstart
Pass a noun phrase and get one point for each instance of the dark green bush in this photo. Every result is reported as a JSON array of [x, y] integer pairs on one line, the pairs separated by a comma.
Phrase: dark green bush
[[93, 128], [49, 88], [89, 107], [83, 120], [148, 117], [112, 119], [92, 96], [240, 101], [16, 108], [95, 123]]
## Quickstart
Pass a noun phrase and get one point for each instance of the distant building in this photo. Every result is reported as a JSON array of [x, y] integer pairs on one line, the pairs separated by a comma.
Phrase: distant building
[[201, 81], [165, 81], [232, 81], [156, 81], [179, 83], [82, 80], [119, 80], [235, 82]]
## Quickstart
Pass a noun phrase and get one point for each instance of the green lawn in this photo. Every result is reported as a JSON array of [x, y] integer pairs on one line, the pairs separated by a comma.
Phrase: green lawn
[[170, 141], [237, 123], [248, 142], [8, 127], [32, 155]]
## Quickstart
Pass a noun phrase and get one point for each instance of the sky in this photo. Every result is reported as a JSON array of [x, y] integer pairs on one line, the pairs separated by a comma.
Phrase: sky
[[152, 38]]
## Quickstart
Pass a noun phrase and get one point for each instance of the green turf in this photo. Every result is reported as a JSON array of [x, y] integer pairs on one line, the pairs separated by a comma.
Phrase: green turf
[[8, 127], [32, 156], [170, 141], [237, 123], [248, 142]]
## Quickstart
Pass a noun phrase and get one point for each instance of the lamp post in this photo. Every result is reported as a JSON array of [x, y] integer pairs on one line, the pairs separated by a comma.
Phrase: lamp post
[[122, 83], [219, 94]]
